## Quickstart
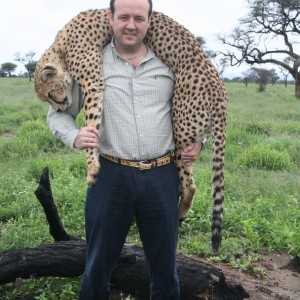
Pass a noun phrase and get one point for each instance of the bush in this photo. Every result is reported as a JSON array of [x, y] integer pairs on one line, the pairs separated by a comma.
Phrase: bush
[[36, 132], [290, 145], [15, 148], [258, 128], [290, 127], [32, 138], [263, 157]]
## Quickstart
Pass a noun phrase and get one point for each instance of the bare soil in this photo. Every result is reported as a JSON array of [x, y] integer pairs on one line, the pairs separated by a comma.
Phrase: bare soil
[[281, 282], [7, 134]]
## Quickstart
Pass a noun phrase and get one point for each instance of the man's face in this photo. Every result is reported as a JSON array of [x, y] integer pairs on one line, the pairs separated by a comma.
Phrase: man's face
[[130, 22]]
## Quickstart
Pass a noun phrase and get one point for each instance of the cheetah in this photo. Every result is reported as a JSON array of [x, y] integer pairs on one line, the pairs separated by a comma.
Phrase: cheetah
[[199, 105]]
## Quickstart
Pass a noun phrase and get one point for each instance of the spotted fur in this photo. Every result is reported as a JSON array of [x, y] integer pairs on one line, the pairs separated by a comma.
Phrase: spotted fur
[[199, 105]]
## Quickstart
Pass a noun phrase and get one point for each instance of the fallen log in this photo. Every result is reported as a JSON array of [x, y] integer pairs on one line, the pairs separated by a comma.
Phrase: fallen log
[[66, 258]]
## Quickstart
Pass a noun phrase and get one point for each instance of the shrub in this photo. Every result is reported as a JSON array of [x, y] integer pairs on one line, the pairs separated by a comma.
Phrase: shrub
[[290, 127], [17, 148], [290, 145], [263, 157], [258, 128], [36, 132]]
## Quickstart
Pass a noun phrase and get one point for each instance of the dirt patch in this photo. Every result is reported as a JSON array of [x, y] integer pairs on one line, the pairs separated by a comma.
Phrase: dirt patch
[[7, 134], [282, 281]]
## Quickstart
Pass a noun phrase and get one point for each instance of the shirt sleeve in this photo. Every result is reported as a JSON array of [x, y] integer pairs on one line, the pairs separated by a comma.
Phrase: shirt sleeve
[[63, 123]]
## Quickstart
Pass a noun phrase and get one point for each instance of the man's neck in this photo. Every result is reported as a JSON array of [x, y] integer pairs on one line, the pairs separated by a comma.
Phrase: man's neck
[[131, 54]]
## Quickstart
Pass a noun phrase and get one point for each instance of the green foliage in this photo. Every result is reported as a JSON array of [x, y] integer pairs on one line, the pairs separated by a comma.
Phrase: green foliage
[[44, 289], [263, 157], [8, 68], [36, 132], [32, 138], [18, 103], [291, 145], [262, 180], [258, 127], [290, 127], [80, 119]]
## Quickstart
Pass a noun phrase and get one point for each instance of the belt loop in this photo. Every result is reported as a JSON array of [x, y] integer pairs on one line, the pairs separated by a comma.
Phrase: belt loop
[[154, 164]]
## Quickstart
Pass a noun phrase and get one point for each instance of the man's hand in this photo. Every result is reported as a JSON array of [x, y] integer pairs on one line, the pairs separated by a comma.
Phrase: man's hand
[[87, 138], [191, 153]]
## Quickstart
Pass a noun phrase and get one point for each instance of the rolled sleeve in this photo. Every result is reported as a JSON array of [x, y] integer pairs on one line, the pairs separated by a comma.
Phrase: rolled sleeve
[[62, 123], [63, 126]]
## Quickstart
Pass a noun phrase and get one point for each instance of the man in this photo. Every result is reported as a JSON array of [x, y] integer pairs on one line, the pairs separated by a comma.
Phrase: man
[[136, 130]]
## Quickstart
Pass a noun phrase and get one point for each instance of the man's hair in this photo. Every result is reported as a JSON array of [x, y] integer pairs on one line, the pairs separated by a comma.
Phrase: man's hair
[[112, 6]]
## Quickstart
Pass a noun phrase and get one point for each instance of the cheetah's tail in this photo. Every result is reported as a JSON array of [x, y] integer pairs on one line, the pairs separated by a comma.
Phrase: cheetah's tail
[[219, 129]]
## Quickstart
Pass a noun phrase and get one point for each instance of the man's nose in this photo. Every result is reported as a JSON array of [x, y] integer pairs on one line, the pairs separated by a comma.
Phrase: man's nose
[[131, 24]]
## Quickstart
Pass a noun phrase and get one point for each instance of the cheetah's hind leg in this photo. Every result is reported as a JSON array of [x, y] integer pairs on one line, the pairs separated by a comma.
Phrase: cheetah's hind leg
[[93, 116], [187, 189], [93, 167]]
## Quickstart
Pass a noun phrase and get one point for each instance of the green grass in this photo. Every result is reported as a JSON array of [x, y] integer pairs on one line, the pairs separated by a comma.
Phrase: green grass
[[18, 103], [262, 182]]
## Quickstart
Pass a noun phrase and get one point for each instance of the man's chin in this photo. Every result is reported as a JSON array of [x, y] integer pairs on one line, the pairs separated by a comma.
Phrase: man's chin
[[130, 42]]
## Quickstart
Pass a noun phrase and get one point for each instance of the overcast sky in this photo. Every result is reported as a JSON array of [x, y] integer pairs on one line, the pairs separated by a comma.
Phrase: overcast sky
[[31, 25]]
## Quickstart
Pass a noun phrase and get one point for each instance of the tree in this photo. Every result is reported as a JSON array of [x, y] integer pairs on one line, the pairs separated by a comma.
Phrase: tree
[[8, 68], [27, 61], [273, 76], [271, 30], [249, 76], [262, 76], [30, 67], [2, 73]]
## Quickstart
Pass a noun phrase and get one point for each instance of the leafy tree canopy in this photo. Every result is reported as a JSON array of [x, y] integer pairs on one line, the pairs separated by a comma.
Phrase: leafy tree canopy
[[8, 68]]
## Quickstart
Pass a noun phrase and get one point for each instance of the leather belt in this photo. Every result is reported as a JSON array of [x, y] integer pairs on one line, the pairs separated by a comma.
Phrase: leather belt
[[143, 165]]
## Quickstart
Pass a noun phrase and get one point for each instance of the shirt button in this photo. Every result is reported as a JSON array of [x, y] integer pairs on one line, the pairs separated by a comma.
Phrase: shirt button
[[141, 135]]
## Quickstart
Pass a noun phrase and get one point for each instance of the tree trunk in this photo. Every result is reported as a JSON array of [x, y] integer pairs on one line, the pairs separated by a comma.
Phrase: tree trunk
[[297, 85], [66, 258], [296, 75]]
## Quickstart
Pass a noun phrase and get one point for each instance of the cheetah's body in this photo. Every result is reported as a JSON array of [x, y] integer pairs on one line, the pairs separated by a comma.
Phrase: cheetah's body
[[199, 102]]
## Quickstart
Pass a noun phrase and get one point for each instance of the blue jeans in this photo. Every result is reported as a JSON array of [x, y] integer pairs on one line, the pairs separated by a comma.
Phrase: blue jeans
[[120, 194]]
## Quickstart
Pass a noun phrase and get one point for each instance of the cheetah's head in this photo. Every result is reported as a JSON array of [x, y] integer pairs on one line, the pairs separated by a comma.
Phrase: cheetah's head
[[53, 83]]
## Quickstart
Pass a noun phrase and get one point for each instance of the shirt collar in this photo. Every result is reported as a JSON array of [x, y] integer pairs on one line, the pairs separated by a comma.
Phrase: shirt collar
[[150, 53]]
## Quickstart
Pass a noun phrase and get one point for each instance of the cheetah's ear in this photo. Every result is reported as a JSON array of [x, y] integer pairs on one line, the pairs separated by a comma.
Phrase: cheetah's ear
[[47, 72]]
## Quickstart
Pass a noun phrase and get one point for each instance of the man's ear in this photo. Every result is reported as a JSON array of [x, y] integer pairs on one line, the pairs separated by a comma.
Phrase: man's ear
[[149, 20], [110, 17]]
